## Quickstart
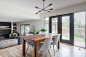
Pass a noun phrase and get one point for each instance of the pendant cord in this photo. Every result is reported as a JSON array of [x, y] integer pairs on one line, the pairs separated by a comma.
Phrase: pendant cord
[[43, 4]]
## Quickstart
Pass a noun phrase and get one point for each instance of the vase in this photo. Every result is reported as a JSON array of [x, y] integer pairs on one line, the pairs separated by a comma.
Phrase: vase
[[43, 33]]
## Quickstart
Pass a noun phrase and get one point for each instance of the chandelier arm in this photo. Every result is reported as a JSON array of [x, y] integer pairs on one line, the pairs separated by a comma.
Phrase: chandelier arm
[[47, 11], [37, 7], [50, 9], [46, 7], [39, 11]]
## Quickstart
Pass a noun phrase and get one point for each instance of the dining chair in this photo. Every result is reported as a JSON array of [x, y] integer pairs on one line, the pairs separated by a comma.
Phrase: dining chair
[[55, 42], [28, 41], [43, 47]]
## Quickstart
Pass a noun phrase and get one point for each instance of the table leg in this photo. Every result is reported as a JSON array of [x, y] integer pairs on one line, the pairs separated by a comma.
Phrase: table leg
[[59, 44], [24, 46], [36, 49]]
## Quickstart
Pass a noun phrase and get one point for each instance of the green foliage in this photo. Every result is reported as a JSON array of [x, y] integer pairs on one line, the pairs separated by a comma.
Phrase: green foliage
[[32, 31], [43, 30], [77, 24], [37, 32], [65, 24], [54, 20]]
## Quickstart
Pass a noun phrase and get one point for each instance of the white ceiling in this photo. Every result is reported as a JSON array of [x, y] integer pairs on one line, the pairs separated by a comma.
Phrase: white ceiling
[[13, 18], [30, 5]]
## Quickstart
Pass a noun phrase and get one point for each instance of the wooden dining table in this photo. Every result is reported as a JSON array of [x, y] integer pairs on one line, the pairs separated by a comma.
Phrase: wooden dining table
[[37, 38]]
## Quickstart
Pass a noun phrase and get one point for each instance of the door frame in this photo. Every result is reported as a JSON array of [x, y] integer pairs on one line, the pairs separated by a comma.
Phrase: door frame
[[60, 27], [85, 29], [50, 23], [71, 27], [71, 41]]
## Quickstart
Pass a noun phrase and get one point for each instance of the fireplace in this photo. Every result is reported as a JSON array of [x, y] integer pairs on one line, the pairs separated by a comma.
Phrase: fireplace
[[4, 33], [5, 29]]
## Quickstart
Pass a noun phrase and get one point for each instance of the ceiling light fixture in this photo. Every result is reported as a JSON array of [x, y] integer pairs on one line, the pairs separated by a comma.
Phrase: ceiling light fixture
[[44, 8]]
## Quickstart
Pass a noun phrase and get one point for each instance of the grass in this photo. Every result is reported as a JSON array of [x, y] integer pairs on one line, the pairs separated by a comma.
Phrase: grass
[[76, 38]]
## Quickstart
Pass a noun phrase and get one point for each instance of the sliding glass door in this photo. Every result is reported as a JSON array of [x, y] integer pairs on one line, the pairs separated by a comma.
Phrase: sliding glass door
[[24, 29], [66, 27], [62, 24], [46, 24], [51, 24], [79, 29], [72, 28], [54, 25]]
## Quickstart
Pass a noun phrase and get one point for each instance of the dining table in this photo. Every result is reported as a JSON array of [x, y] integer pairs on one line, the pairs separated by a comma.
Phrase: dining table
[[37, 38]]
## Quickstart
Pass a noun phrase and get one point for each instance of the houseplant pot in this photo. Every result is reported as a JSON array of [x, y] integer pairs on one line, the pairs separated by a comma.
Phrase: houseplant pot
[[43, 31]]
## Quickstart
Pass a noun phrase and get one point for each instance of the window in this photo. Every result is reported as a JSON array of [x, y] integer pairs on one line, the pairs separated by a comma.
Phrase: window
[[25, 29], [66, 27], [79, 29], [46, 26], [54, 25]]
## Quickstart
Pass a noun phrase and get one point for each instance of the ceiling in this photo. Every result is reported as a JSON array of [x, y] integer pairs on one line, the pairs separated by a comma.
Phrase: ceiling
[[13, 18], [30, 5]]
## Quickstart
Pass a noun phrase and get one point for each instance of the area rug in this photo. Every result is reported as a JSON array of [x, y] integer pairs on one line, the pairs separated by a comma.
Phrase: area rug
[[8, 43]]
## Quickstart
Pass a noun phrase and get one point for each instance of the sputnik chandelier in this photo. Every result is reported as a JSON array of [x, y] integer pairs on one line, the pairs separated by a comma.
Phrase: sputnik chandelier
[[44, 8]]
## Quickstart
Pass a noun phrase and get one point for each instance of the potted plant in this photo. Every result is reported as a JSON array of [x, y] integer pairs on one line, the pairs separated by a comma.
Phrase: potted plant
[[32, 31], [43, 31]]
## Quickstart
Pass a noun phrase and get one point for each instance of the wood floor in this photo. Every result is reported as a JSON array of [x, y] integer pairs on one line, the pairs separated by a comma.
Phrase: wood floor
[[65, 51]]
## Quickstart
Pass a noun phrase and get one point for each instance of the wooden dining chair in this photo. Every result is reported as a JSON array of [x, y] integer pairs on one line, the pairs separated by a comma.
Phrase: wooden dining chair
[[43, 47], [55, 42]]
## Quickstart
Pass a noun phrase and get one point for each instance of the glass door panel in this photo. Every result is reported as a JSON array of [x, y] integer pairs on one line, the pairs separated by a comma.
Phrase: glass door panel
[[46, 25], [65, 27], [27, 29], [22, 29], [79, 29], [54, 25]]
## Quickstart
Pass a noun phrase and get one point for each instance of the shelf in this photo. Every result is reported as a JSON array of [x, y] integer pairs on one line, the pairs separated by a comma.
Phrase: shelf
[[4, 28], [14, 28], [14, 25]]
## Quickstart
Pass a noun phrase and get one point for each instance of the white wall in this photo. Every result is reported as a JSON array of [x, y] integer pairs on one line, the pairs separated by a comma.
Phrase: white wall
[[40, 23], [36, 23]]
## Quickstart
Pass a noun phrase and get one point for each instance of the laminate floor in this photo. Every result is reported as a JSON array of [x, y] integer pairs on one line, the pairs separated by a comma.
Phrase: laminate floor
[[65, 51]]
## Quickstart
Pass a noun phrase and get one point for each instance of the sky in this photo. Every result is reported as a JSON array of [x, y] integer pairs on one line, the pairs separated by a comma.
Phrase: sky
[[80, 16]]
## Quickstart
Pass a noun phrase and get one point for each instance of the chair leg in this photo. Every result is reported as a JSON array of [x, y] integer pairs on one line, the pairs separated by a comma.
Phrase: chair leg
[[54, 50], [57, 47], [27, 49], [50, 46], [42, 54], [49, 53]]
